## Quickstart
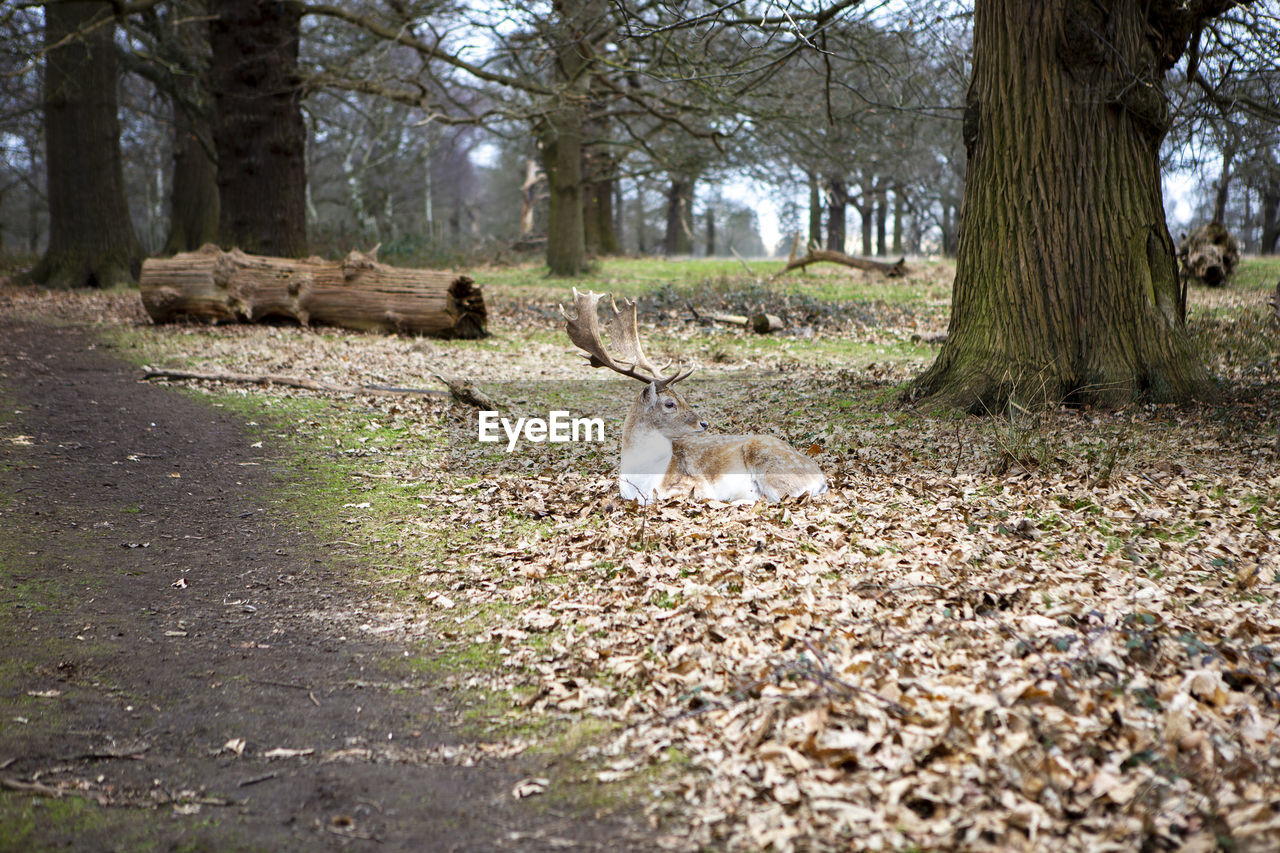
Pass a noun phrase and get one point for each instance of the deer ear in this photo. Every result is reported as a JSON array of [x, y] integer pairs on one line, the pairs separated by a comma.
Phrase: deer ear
[[651, 393]]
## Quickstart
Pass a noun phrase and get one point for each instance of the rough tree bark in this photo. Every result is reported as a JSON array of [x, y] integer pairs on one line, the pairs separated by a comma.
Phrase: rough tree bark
[[1066, 281], [91, 238], [258, 133], [358, 293]]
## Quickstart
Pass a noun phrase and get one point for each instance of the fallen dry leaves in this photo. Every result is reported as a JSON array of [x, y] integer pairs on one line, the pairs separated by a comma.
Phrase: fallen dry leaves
[[1058, 633]]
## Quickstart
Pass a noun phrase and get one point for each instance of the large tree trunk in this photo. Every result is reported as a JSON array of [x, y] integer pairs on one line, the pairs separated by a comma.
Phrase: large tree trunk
[[259, 134], [679, 240], [837, 207], [194, 194], [91, 238], [576, 32], [562, 164], [358, 293], [1066, 282]]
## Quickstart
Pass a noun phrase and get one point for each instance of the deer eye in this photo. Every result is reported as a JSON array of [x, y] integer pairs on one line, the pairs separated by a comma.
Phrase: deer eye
[[669, 404]]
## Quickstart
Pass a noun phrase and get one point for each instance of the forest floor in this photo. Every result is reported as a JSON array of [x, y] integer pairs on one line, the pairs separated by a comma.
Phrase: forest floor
[[1026, 631]]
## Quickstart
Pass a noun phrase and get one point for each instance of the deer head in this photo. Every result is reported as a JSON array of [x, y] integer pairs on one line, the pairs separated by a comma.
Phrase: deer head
[[658, 408]]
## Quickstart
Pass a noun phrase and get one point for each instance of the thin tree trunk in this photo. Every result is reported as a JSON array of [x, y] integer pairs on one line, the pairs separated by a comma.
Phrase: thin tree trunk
[[259, 134], [1066, 283], [948, 229], [1222, 189], [837, 207], [882, 213], [866, 214], [599, 233], [619, 219], [815, 212], [92, 242], [899, 214], [641, 244], [711, 231]]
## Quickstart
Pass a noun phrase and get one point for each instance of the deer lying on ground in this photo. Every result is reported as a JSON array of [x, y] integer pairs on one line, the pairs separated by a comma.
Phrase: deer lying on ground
[[666, 450]]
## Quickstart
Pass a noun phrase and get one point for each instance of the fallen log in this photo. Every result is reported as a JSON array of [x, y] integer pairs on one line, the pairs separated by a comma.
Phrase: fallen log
[[355, 293], [765, 324], [894, 270], [760, 323], [706, 318]]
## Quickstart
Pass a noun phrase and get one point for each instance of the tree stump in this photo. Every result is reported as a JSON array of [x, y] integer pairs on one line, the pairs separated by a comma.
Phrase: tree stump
[[356, 293]]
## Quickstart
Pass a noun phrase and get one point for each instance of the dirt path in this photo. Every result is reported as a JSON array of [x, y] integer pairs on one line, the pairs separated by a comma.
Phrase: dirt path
[[152, 612]]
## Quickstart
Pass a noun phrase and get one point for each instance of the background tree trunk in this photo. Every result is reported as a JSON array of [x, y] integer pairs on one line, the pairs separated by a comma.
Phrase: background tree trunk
[[258, 133], [1066, 282], [866, 214], [837, 207], [194, 194], [679, 239], [91, 238], [598, 220], [899, 214], [1271, 212], [882, 214]]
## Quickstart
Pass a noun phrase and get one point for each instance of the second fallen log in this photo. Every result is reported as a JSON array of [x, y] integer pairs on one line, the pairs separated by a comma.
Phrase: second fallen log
[[355, 293]]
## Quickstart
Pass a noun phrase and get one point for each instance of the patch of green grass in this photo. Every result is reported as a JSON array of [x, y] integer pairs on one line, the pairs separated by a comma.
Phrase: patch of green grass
[[1257, 274]]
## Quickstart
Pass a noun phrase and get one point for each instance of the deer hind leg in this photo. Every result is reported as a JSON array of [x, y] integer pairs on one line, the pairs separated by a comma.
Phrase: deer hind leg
[[780, 471]]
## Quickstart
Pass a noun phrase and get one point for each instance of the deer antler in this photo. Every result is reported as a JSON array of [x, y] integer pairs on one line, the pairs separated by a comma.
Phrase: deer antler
[[624, 333]]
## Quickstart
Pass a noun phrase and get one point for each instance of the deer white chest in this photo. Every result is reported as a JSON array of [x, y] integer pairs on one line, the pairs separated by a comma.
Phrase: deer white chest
[[645, 460]]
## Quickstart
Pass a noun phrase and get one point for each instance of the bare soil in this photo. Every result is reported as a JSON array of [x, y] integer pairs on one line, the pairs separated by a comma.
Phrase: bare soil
[[164, 629]]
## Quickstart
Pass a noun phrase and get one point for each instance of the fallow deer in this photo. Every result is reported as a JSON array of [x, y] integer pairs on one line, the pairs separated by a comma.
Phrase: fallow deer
[[666, 449]]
